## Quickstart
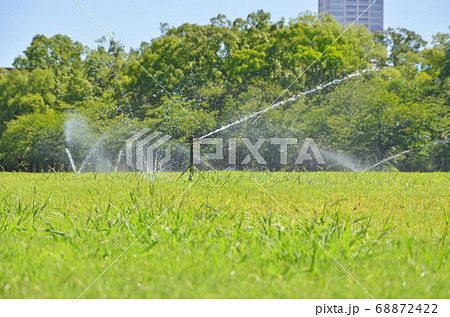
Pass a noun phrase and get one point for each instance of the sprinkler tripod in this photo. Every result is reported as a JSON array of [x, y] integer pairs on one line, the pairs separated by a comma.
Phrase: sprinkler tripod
[[191, 167]]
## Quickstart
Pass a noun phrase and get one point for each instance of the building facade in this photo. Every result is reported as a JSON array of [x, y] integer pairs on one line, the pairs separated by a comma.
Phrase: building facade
[[346, 12]]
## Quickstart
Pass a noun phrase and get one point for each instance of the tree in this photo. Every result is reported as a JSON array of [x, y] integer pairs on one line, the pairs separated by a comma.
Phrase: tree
[[33, 142], [64, 58], [377, 116], [399, 41], [193, 79], [23, 92]]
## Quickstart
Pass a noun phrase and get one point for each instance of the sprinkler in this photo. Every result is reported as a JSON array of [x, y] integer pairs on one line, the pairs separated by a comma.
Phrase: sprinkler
[[191, 167]]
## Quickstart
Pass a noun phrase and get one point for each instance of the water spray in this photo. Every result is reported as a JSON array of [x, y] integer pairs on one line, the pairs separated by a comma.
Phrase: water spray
[[443, 141], [72, 163], [293, 98]]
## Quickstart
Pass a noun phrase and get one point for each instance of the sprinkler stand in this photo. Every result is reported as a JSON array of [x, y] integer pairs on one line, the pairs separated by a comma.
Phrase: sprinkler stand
[[191, 167]]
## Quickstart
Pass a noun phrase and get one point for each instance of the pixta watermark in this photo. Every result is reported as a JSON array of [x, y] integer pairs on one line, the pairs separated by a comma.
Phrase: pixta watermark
[[141, 147]]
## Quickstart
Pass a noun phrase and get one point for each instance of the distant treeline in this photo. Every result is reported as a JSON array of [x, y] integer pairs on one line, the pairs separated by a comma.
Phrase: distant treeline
[[218, 72]]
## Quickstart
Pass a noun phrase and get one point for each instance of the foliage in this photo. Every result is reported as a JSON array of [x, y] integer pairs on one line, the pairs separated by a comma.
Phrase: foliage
[[195, 78], [400, 41], [33, 142]]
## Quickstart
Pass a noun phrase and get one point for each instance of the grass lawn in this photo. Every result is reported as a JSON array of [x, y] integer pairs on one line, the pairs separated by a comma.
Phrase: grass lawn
[[231, 235]]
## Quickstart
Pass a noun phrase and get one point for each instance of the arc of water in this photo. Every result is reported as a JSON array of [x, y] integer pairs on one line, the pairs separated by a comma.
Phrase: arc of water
[[91, 152], [386, 160], [446, 140], [275, 105], [72, 163], [119, 156], [342, 159]]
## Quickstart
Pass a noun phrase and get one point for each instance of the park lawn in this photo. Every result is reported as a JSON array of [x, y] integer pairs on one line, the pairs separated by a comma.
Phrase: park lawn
[[228, 235]]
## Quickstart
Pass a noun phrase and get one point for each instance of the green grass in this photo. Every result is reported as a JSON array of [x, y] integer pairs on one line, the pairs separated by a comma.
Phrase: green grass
[[225, 236]]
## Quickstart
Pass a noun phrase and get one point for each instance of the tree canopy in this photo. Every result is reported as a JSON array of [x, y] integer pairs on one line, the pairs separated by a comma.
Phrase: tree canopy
[[195, 78]]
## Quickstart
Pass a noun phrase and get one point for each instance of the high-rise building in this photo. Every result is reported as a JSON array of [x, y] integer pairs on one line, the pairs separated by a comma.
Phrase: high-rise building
[[346, 12]]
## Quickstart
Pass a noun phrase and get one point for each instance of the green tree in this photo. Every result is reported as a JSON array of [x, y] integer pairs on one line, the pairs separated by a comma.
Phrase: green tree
[[400, 41], [33, 142]]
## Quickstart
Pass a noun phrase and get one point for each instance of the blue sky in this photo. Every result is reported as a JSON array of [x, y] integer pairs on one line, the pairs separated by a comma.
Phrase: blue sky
[[134, 21]]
